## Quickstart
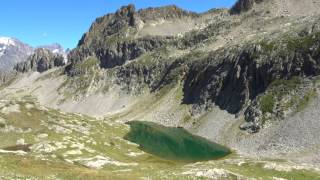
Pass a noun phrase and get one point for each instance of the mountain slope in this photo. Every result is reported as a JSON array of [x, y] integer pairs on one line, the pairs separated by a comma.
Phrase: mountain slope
[[245, 78], [41, 60], [215, 65], [243, 6], [127, 43], [12, 51], [54, 48]]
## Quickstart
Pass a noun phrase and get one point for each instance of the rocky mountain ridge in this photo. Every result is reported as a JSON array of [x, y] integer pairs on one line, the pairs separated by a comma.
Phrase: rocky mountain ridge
[[13, 51], [54, 48], [112, 40], [235, 76], [41, 60]]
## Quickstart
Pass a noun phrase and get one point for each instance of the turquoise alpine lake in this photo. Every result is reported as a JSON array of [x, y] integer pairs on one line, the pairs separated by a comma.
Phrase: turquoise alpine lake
[[173, 143]]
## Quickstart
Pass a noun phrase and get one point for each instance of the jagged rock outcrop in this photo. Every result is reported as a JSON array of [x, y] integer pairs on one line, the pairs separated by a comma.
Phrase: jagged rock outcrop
[[42, 60], [55, 48], [112, 38], [283, 98], [233, 80], [166, 12], [243, 6]]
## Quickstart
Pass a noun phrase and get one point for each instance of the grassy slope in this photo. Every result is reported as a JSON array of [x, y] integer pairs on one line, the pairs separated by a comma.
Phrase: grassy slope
[[69, 134]]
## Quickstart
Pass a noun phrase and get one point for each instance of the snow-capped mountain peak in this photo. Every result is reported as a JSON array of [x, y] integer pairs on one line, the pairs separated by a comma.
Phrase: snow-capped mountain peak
[[12, 51], [7, 41]]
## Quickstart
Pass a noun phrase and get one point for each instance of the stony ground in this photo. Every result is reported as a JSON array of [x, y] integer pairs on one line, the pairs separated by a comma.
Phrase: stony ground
[[43, 143]]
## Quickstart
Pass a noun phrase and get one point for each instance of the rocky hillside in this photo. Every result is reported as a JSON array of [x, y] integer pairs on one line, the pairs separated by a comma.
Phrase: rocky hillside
[[54, 48], [12, 51], [114, 39], [41, 60], [244, 5], [247, 77], [215, 65]]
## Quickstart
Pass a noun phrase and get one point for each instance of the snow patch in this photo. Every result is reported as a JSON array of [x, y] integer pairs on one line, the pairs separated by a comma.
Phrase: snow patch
[[56, 51], [2, 50], [7, 41]]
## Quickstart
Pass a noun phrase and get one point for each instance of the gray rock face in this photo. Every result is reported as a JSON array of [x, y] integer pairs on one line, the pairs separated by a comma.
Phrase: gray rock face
[[112, 55], [243, 6], [12, 51], [282, 99], [110, 37], [166, 12], [42, 60], [232, 79], [54, 48]]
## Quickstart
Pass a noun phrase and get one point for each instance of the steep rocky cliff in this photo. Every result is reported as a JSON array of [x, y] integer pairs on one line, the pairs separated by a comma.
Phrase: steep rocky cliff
[[41, 60], [244, 5], [114, 39]]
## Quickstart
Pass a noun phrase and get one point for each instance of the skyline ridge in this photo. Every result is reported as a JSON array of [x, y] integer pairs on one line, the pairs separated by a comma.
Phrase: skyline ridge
[[64, 22]]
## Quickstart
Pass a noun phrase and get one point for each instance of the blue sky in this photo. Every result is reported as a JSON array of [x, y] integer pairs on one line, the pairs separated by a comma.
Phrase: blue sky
[[39, 22]]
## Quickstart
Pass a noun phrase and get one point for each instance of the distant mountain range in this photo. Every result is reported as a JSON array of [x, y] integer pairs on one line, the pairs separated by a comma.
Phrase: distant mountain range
[[14, 51]]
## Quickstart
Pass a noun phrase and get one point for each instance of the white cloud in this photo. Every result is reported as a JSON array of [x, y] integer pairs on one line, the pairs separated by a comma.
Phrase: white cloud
[[44, 34]]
